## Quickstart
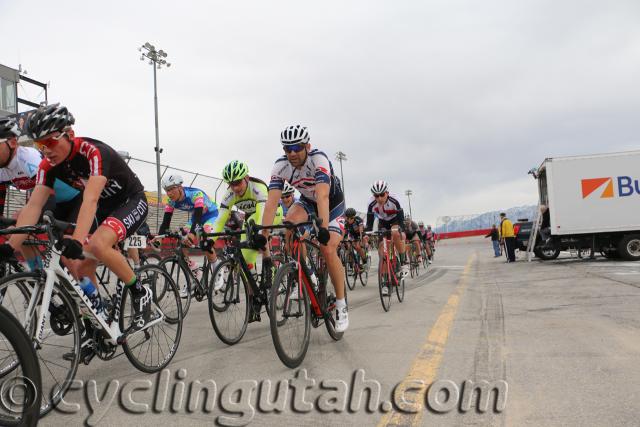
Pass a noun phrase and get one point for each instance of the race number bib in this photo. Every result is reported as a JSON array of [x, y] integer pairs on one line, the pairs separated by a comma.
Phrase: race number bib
[[135, 241]]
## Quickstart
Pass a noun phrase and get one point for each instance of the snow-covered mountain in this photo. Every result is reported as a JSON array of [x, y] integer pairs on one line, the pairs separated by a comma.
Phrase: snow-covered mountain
[[487, 219]]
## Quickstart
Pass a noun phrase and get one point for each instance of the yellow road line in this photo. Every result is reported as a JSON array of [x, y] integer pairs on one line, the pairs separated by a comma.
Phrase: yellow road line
[[425, 366]]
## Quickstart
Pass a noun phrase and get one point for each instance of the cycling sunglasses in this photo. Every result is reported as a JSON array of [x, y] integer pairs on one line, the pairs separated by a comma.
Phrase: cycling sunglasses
[[379, 196], [49, 142], [293, 148], [236, 183]]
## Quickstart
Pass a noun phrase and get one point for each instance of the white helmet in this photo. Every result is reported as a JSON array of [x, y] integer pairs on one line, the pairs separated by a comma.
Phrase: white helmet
[[294, 134], [379, 187], [420, 224], [288, 189], [171, 181]]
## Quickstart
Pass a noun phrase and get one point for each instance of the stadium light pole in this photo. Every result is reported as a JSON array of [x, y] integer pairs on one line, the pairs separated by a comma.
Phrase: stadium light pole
[[157, 58], [409, 193], [340, 156]]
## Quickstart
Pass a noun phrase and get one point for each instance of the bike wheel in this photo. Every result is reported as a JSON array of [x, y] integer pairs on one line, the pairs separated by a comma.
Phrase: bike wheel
[[400, 290], [22, 408], [229, 306], [181, 278], [350, 275], [59, 350], [383, 282], [290, 320], [152, 348], [364, 274]]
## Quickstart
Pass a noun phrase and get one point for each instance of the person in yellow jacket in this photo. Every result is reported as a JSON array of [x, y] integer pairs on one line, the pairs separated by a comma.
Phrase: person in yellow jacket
[[508, 237]]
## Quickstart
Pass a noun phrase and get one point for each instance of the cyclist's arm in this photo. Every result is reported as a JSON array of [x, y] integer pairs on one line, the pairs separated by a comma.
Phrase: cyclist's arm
[[166, 221], [224, 212], [90, 197], [270, 208], [322, 199], [30, 213]]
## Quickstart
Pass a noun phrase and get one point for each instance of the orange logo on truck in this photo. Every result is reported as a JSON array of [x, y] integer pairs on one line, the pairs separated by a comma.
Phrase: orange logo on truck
[[592, 184]]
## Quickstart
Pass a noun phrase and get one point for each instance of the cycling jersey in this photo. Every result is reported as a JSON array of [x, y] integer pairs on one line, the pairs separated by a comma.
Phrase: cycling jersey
[[21, 173], [353, 230], [194, 198], [90, 157], [286, 209], [422, 232], [251, 203], [122, 205], [317, 169], [388, 214], [411, 230]]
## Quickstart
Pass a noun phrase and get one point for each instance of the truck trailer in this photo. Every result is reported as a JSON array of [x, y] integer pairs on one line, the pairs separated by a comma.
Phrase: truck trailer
[[594, 205]]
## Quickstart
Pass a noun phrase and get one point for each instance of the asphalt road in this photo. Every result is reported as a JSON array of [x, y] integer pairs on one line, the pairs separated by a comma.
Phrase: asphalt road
[[558, 342]]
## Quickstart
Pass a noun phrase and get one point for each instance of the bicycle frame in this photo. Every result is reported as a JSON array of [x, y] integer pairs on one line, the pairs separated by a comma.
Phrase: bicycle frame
[[388, 251], [303, 277]]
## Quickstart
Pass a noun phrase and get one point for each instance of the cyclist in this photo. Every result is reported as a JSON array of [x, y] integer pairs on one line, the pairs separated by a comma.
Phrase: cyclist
[[311, 173], [248, 194], [412, 235], [354, 229], [390, 215], [112, 196], [203, 214], [431, 239], [18, 167], [288, 197], [423, 235]]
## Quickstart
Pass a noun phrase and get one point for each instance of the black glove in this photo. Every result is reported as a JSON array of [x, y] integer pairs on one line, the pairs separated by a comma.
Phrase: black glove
[[323, 236], [6, 251], [71, 248], [259, 242], [207, 245]]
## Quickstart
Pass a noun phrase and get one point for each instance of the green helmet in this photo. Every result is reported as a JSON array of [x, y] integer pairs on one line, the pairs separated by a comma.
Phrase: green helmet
[[235, 171]]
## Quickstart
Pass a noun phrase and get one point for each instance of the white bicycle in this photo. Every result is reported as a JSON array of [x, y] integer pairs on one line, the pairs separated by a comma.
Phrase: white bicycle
[[55, 312]]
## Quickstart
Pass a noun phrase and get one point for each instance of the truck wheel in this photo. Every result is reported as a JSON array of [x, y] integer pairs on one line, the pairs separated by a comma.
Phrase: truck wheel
[[629, 247], [546, 254]]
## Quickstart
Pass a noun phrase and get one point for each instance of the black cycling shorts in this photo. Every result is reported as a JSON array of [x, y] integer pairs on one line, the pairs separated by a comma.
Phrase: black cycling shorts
[[386, 225], [125, 218]]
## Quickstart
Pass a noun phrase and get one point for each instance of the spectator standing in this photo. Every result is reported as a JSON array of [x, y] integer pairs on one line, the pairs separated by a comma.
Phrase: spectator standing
[[495, 240], [508, 236]]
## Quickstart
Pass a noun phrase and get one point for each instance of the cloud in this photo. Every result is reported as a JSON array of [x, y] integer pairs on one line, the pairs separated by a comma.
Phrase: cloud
[[453, 99]]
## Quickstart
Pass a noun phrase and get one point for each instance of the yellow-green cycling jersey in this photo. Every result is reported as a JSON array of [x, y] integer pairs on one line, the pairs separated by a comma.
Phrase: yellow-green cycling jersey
[[252, 203]]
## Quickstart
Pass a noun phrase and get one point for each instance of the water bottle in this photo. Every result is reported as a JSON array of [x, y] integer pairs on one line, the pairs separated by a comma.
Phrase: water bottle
[[92, 293]]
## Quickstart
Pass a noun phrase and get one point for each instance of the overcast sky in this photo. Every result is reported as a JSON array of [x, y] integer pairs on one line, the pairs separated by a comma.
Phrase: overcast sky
[[454, 100]]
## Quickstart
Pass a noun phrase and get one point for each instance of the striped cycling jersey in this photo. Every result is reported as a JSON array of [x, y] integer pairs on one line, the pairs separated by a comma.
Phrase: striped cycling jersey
[[317, 169], [387, 212]]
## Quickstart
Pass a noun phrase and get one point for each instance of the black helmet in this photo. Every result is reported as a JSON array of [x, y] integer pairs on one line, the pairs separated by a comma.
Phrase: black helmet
[[8, 128], [47, 120], [350, 213]]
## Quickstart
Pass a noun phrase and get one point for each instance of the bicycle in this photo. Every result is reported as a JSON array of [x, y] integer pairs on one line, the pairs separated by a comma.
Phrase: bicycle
[[414, 264], [177, 265], [353, 267], [68, 311], [243, 292], [388, 271], [295, 298], [424, 256], [20, 371]]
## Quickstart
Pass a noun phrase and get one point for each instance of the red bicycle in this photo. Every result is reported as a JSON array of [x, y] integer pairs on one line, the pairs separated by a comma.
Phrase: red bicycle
[[299, 297], [388, 271]]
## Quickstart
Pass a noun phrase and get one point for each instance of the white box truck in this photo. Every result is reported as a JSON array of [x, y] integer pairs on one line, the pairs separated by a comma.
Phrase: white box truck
[[594, 203]]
